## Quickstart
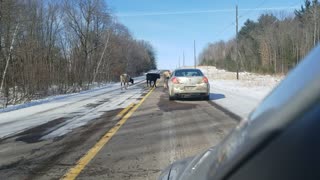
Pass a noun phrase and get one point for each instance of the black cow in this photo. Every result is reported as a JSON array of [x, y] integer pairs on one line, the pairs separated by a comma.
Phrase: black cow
[[152, 77]]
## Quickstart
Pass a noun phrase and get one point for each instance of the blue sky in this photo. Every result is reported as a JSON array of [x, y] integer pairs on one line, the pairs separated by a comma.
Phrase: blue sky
[[172, 25]]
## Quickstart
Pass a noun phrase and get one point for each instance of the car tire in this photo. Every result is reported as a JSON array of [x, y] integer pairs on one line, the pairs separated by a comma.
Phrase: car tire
[[207, 98], [171, 95]]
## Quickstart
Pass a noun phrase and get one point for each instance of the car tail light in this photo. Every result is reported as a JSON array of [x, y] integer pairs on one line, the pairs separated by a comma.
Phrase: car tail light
[[175, 80], [205, 80]]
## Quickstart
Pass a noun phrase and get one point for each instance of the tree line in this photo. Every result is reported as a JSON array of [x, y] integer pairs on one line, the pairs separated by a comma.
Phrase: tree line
[[61, 46], [272, 44]]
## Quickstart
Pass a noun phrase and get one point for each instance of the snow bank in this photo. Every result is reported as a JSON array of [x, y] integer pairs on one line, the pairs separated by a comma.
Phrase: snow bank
[[53, 98], [239, 96], [93, 88], [74, 107]]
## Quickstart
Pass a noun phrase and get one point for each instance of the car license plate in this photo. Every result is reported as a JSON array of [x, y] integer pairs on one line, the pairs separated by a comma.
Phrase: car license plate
[[189, 88]]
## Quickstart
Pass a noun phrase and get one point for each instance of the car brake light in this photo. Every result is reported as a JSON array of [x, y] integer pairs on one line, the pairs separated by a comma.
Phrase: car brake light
[[175, 80], [205, 80]]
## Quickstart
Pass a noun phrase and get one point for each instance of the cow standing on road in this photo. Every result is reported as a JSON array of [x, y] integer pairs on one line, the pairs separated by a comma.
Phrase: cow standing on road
[[166, 77], [152, 77], [125, 79]]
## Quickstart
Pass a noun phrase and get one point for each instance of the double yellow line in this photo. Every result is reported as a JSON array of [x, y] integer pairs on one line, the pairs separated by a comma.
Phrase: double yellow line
[[84, 161]]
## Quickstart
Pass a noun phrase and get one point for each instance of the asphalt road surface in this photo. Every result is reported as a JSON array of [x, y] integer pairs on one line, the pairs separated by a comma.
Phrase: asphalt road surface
[[154, 135]]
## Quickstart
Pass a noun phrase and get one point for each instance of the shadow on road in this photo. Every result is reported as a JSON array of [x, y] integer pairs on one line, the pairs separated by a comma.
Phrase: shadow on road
[[215, 96], [165, 105]]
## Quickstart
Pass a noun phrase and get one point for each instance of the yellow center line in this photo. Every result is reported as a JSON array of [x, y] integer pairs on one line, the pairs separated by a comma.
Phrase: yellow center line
[[125, 110], [84, 161]]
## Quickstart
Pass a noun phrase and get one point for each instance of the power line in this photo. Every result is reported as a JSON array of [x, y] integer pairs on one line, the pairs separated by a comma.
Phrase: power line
[[224, 30], [257, 7], [241, 15], [137, 14]]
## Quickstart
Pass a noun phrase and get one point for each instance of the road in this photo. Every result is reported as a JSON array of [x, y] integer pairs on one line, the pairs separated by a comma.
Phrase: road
[[154, 134]]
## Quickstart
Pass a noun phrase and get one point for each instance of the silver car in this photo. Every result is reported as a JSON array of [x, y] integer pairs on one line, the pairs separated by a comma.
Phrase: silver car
[[188, 83]]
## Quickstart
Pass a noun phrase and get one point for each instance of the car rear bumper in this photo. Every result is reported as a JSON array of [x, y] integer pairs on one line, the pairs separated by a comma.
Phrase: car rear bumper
[[191, 95], [184, 91]]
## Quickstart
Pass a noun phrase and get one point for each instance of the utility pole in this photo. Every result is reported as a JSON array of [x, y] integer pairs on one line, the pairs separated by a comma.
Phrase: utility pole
[[183, 58], [194, 53], [237, 58]]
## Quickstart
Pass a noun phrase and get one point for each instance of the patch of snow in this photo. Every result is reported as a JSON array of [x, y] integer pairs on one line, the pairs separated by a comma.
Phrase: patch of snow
[[117, 100]]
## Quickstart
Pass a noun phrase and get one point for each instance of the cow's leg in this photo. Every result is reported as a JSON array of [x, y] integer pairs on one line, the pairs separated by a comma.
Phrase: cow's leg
[[155, 83]]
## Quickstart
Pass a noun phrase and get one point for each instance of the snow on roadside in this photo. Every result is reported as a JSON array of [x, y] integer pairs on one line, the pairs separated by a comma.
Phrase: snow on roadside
[[23, 110], [49, 99], [117, 100], [239, 96], [52, 98], [75, 108], [77, 111]]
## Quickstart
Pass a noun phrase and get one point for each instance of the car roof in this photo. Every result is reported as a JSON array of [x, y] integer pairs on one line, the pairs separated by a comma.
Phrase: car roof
[[187, 69]]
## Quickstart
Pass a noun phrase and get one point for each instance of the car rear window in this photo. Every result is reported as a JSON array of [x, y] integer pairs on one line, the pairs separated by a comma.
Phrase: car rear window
[[188, 72]]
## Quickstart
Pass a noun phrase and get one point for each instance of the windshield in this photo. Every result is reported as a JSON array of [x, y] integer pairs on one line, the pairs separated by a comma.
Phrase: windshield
[[120, 89], [188, 72]]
